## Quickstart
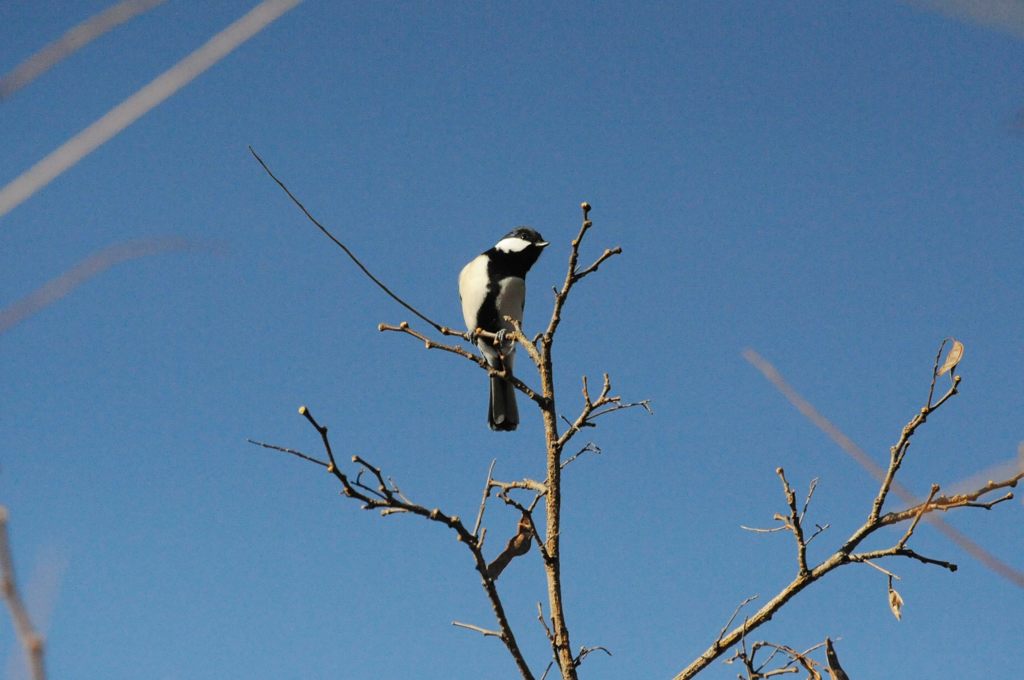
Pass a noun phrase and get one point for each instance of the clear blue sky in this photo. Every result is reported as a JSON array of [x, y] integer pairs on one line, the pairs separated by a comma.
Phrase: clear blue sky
[[837, 185]]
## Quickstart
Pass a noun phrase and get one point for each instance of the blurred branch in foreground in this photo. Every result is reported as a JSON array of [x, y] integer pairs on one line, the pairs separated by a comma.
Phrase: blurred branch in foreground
[[1001, 15], [137, 105], [30, 640], [72, 41], [772, 374], [97, 263]]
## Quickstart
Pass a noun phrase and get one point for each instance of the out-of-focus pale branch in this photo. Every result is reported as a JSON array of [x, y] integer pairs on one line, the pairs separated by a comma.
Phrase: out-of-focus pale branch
[[1002, 15], [31, 640], [72, 41], [95, 264], [140, 103]]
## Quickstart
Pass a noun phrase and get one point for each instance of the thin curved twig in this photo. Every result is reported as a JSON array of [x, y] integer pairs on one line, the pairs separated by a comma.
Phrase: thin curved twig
[[438, 327]]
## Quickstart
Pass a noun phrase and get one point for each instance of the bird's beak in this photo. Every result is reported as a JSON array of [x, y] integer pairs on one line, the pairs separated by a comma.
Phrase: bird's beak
[[541, 244]]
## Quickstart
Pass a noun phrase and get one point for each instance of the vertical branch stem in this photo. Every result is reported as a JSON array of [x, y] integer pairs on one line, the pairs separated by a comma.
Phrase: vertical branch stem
[[553, 501]]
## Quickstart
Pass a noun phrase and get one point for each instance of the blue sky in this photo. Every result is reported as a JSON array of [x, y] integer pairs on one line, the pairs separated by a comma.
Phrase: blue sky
[[836, 185]]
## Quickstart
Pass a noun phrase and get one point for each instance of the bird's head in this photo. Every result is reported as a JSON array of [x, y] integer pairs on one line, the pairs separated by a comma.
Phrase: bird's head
[[519, 240]]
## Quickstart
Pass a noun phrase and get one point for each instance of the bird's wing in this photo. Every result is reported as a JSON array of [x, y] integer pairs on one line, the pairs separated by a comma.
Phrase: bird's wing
[[473, 290]]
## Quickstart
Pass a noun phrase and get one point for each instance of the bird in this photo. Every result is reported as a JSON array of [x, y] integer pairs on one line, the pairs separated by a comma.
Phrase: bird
[[491, 287]]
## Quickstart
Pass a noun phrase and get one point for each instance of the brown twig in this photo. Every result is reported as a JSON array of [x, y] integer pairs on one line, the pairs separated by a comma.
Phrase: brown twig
[[962, 500], [544, 624], [758, 669], [835, 671], [293, 452], [735, 613], [794, 523], [589, 447], [587, 651], [326, 232], [483, 500], [31, 640], [483, 631], [465, 354], [595, 408]]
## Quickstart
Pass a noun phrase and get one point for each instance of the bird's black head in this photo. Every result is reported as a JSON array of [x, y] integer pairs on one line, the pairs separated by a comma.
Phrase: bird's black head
[[519, 240]]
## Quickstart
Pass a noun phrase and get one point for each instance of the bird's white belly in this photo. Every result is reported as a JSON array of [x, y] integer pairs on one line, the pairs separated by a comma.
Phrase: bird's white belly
[[511, 297]]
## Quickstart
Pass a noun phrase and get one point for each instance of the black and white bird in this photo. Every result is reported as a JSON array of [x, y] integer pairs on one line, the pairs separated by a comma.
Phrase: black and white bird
[[491, 287]]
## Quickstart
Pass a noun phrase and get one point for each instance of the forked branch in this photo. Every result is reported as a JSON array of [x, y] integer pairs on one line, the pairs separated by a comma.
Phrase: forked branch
[[383, 494]]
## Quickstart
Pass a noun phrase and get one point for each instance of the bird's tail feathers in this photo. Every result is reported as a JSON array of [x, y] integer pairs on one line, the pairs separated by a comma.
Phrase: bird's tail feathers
[[503, 413]]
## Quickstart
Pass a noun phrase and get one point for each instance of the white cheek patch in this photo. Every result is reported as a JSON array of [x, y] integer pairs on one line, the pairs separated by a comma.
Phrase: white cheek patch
[[513, 244]]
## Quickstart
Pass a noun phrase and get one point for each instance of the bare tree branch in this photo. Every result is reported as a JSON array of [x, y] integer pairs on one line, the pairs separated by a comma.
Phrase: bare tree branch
[[298, 454], [846, 444], [735, 613], [758, 669], [595, 408], [589, 447], [483, 631], [466, 354], [31, 641], [438, 327], [483, 500], [587, 651], [835, 671], [387, 498], [847, 552]]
